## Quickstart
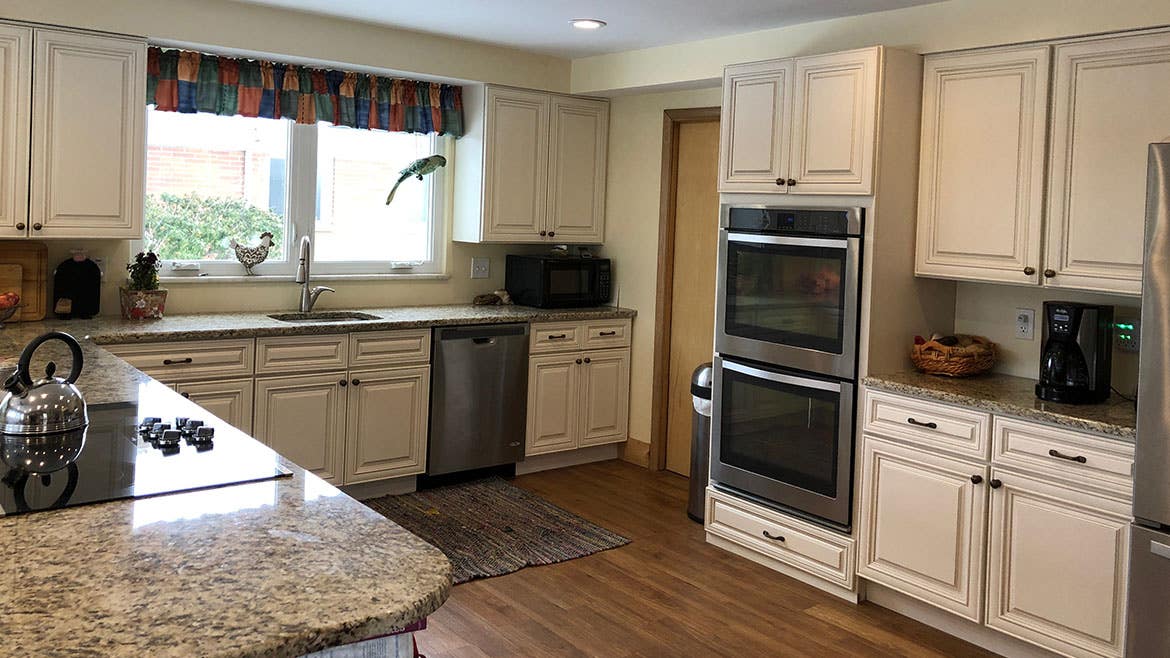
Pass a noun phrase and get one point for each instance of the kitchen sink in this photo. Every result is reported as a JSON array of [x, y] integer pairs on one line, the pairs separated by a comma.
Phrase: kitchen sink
[[323, 316]]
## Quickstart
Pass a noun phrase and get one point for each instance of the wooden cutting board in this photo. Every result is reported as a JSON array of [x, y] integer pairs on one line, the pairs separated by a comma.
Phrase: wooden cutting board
[[33, 259], [11, 280]]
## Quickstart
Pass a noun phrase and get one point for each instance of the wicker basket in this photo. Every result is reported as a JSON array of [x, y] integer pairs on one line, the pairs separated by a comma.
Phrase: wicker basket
[[973, 355]]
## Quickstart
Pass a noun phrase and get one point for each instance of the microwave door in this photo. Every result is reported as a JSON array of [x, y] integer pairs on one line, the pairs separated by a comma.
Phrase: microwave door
[[567, 284], [789, 300]]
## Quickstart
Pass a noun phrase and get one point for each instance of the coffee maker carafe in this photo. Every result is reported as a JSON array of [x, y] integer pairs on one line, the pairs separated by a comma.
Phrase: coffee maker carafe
[[1076, 357]]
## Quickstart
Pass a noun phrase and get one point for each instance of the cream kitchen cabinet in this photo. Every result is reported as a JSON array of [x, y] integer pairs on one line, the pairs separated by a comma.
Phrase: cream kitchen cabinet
[[531, 167], [303, 418], [981, 168], [15, 86], [229, 399], [801, 126], [553, 402], [386, 423], [605, 397]]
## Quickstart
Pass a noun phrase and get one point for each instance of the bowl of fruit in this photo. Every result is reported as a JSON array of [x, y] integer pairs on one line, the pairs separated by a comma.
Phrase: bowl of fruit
[[9, 304]]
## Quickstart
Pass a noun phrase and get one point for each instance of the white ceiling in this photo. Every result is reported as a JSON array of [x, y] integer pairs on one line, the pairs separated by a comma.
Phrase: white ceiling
[[542, 25]]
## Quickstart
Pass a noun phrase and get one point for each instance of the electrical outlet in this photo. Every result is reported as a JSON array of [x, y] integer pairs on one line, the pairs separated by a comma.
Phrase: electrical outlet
[[1025, 323], [1127, 335], [481, 267]]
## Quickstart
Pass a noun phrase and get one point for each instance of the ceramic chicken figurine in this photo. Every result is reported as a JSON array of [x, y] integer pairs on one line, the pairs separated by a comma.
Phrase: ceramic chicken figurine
[[252, 256], [418, 169]]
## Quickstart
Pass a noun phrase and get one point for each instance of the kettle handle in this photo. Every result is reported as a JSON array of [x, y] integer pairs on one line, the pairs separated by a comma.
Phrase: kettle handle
[[26, 356]]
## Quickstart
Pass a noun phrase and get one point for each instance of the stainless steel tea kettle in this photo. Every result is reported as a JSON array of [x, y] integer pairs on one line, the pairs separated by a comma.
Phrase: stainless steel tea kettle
[[49, 406]]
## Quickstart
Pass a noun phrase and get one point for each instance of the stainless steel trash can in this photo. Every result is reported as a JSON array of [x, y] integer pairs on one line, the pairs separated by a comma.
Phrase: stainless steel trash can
[[700, 439]]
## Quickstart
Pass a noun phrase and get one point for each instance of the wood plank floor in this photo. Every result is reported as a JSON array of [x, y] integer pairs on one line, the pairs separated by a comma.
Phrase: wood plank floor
[[667, 593]]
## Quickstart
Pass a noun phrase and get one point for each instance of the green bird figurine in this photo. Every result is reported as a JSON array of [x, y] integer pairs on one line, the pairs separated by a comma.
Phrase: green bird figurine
[[418, 169]]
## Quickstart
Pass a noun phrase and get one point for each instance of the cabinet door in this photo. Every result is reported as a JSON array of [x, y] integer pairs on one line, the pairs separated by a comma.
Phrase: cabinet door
[[922, 525], [605, 397], [228, 399], [833, 118], [88, 142], [553, 401], [15, 100], [757, 110], [1057, 566], [303, 418], [386, 423], [578, 139], [981, 175], [1110, 101], [515, 177]]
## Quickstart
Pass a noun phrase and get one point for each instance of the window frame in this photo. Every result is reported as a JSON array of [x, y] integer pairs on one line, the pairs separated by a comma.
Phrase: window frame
[[300, 220]]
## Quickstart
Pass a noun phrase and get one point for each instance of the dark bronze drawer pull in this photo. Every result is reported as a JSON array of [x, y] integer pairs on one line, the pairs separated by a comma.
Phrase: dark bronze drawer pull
[[172, 362], [773, 537], [557, 336], [607, 333], [930, 426], [1080, 459]]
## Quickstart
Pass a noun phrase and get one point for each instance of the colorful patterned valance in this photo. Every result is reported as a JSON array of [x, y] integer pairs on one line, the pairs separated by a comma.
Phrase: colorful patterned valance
[[186, 81]]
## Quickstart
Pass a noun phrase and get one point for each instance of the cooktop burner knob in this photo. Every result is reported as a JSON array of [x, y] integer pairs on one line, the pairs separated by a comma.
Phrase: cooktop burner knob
[[192, 423], [169, 438], [180, 421], [204, 434], [151, 420]]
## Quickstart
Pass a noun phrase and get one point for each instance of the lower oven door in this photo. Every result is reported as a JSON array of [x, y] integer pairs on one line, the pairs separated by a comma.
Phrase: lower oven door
[[785, 438]]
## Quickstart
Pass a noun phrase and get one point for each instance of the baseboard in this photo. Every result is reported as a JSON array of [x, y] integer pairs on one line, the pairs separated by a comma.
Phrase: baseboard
[[792, 572], [553, 460], [637, 452], [392, 487], [976, 634]]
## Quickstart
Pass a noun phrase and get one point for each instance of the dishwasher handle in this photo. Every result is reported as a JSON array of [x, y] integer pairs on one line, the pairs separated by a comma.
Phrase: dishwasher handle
[[482, 333]]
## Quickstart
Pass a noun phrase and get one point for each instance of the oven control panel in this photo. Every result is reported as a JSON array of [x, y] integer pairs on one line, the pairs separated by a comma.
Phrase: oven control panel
[[813, 221]]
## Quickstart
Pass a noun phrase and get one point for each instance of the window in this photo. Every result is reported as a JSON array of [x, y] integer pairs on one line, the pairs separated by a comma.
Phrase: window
[[213, 179]]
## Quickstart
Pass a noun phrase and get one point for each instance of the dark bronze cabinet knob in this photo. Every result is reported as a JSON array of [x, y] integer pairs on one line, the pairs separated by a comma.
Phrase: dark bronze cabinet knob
[[791, 182], [356, 381], [551, 233], [976, 479], [587, 360], [995, 484], [186, 395], [343, 383], [1029, 271], [37, 226], [1048, 274], [578, 361], [20, 226], [781, 182], [543, 233]]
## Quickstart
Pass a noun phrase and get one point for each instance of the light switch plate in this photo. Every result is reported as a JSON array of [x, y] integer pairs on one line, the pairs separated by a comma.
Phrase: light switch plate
[[481, 267], [1025, 323]]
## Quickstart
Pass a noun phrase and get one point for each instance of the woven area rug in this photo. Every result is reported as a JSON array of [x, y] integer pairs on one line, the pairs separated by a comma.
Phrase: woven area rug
[[489, 527]]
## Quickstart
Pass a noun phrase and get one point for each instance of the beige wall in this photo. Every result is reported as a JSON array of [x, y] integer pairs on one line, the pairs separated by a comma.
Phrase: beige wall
[[280, 31], [927, 28], [631, 232]]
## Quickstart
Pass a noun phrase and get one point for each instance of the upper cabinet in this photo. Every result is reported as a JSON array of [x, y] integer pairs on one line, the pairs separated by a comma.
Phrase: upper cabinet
[[981, 170], [531, 167], [800, 126], [987, 176], [72, 135]]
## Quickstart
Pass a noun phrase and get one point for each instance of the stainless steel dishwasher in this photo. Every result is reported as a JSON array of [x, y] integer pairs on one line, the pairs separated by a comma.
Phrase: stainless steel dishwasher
[[479, 397]]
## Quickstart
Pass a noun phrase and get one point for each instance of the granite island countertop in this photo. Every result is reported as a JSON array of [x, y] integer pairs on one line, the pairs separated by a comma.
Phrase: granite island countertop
[[1013, 396], [268, 569]]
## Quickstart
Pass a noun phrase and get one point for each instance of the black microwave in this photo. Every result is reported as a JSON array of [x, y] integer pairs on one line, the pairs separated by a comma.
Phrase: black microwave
[[557, 281]]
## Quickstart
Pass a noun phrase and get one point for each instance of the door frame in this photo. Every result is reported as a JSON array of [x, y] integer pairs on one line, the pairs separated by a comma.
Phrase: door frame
[[672, 120]]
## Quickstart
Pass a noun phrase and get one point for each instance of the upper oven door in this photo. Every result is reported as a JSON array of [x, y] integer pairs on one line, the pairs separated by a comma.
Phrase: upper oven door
[[789, 300]]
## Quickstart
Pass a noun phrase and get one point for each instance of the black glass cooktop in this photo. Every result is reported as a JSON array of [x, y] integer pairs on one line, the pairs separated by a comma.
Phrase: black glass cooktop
[[120, 460]]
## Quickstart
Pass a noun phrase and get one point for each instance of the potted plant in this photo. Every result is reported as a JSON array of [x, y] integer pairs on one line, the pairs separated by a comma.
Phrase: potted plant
[[141, 298]]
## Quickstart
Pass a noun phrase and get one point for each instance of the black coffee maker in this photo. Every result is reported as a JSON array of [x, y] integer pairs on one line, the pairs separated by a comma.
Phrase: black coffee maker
[[1076, 359]]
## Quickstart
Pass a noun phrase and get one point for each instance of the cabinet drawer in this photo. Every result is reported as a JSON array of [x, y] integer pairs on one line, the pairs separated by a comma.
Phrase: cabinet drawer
[[301, 353], [606, 333], [170, 362], [378, 348], [787, 540], [1082, 460], [956, 430], [555, 337]]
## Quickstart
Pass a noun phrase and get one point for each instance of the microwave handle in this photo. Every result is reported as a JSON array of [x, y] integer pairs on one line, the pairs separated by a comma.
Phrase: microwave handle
[[752, 238], [781, 379]]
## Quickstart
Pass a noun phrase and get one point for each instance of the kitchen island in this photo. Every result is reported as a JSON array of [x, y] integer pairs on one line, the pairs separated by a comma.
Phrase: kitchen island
[[281, 567]]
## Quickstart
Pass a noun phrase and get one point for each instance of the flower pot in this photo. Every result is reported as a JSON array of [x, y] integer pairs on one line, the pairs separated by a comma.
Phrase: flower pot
[[142, 304]]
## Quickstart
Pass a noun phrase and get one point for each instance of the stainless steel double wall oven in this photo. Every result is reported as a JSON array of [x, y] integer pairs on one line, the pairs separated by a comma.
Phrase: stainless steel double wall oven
[[786, 336]]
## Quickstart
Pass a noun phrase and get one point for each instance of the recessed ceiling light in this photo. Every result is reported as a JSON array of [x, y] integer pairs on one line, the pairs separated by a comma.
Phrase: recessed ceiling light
[[587, 23]]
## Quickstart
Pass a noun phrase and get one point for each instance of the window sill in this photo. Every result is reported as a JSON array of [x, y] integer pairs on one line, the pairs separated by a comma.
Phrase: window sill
[[287, 278]]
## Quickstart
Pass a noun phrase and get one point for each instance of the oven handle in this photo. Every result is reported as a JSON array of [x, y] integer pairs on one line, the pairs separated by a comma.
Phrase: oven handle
[[829, 243], [782, 379]]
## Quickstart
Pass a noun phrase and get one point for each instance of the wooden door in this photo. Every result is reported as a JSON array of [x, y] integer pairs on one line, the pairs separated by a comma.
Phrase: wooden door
[[553, 401], [605, 397], [303, 418], [1057, 566], [15, 101], [229, 399], [923, 525], [88, 138], [834, 100], [386, 423], [578, 139], [981, 175], [757, 107], [692, 294], [1110, 101], [515, 176]]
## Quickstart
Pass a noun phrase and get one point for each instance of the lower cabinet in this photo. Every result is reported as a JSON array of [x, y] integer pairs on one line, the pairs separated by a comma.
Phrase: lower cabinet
[[577, 399], [303, 418], [229, 399], [386, 423]]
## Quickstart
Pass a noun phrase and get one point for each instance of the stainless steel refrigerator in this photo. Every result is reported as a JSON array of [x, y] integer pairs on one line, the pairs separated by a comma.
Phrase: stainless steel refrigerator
[[1149, 568]]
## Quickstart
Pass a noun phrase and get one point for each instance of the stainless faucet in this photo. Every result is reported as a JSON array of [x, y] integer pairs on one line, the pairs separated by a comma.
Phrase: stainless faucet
[[308, 295]]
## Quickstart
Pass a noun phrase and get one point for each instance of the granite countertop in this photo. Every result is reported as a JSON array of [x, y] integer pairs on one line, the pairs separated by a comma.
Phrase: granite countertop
[[276, 568], [209, 326], [1014, 396]]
